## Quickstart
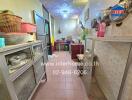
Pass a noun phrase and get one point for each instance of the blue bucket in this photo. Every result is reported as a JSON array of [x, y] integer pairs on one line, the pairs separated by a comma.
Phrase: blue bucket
[[2, 42]]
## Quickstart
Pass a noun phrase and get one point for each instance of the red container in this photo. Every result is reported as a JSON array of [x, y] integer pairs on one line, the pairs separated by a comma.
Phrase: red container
[[76, 49], [101, 30], [100, 34], [28, 27]]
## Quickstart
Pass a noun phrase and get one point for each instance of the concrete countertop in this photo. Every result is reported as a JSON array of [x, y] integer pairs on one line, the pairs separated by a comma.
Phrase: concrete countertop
[[126, 39]]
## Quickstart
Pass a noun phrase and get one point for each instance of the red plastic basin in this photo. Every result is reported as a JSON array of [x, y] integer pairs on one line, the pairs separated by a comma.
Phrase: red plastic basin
[[28, 27]]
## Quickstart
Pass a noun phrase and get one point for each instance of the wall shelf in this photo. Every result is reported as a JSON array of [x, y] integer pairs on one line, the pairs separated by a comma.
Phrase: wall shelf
[[126, 39]]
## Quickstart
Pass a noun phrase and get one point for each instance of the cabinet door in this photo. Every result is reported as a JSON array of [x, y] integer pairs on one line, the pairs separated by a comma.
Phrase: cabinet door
[[37, 51], [43, 38], [39, 69], [25, 84]]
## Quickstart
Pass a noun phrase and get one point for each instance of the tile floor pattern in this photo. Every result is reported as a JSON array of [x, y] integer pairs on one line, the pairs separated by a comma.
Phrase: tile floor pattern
[[61, 86]]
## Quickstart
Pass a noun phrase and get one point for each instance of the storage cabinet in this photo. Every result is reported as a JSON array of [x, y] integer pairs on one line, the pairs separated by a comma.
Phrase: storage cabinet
[[22, 68], [76, 49]]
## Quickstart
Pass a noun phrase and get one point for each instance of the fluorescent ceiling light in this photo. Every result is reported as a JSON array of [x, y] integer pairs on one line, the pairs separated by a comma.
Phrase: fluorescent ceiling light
[[65, 16]]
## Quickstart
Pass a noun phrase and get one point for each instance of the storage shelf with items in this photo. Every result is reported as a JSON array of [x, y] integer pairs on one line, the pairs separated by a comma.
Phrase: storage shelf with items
[[21, 72], [18, 59]]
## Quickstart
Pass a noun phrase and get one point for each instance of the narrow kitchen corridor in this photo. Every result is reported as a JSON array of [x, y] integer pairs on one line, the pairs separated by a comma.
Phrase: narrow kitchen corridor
[[61, 86], [65, 49]]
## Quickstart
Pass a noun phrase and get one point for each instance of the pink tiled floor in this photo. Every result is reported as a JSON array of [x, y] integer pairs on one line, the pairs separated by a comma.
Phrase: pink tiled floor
[[61, 86]]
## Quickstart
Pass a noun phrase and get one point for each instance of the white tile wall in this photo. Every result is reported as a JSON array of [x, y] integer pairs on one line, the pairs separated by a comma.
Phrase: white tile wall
[[113, 58]]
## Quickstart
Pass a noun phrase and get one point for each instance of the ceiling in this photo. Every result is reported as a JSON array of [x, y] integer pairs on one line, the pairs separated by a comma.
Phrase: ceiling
[[62, 8]]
